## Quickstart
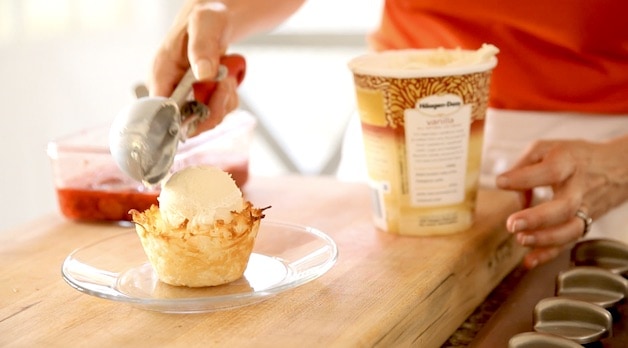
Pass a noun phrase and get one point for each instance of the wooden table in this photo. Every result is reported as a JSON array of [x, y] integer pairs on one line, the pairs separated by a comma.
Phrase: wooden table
[[385, 290]]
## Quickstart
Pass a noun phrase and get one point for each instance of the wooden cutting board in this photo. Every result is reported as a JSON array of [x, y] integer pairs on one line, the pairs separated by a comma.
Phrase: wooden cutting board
[[395, 290], [384, 291]]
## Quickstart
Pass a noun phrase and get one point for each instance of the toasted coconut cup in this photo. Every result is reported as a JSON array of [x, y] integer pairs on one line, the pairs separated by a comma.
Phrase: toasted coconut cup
[[209, 255]]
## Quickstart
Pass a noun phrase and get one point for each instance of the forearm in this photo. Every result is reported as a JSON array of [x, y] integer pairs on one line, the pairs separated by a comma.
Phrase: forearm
[[247, 17]]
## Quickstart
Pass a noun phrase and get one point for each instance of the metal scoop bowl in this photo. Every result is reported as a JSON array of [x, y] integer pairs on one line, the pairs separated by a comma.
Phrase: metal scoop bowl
[[144, 136]]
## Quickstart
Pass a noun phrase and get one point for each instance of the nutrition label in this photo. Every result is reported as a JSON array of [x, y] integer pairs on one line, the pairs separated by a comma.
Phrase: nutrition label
[[437, 146]]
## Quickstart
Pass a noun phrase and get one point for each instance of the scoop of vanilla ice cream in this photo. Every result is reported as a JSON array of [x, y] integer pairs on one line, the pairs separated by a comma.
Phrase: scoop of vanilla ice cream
[[200, 194], [413, 63], [441, 57]]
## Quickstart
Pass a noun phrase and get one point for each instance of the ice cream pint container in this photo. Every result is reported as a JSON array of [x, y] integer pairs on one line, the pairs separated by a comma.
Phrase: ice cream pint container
[[422, 115]]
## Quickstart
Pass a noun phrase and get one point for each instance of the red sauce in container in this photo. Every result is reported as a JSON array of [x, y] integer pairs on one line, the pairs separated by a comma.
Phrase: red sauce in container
[[110, 198], [98, 205]]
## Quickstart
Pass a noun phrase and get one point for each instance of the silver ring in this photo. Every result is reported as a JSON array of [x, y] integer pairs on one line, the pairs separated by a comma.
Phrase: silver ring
[[587, 221]]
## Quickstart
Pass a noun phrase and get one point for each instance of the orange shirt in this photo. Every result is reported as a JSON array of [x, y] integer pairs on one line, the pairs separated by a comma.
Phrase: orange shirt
[[555, 55]]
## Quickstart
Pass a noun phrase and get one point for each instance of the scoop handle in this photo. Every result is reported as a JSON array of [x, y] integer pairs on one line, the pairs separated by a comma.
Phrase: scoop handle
[[236, 68]]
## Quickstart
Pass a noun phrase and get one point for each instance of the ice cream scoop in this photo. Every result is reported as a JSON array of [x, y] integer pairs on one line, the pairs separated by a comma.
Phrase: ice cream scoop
[[145, 135], [200, 195]]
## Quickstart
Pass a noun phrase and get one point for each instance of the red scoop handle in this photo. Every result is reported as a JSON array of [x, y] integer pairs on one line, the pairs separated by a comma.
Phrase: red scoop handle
[[236, 67]]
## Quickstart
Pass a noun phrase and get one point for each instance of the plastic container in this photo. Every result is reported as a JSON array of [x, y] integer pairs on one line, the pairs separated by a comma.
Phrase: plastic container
[[90, 186]]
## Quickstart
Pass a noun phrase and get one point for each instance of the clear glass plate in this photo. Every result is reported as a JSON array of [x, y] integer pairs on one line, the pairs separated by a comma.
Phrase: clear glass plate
[[285, 256]]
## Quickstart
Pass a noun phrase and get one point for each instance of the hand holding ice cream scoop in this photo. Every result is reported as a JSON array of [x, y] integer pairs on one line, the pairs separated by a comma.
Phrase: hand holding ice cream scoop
[[144, 137]]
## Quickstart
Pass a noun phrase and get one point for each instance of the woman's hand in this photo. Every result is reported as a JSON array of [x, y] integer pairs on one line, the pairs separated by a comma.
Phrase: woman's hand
[[201, 34], [585, 176], [197, 39]]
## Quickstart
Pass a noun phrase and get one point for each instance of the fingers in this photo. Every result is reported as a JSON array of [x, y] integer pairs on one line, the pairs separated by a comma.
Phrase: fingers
[[208, 32], [549, 227], [566, 200], [168, 69], [540, 256], [223, 101], [542, 216], [540, 167], [545, 242], [525, 198], [565, 233], [535, 153], [197, 39], [207, 29], [171, 60]]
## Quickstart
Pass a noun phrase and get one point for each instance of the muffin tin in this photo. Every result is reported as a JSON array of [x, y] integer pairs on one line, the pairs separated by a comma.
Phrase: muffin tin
[[586, 299]]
